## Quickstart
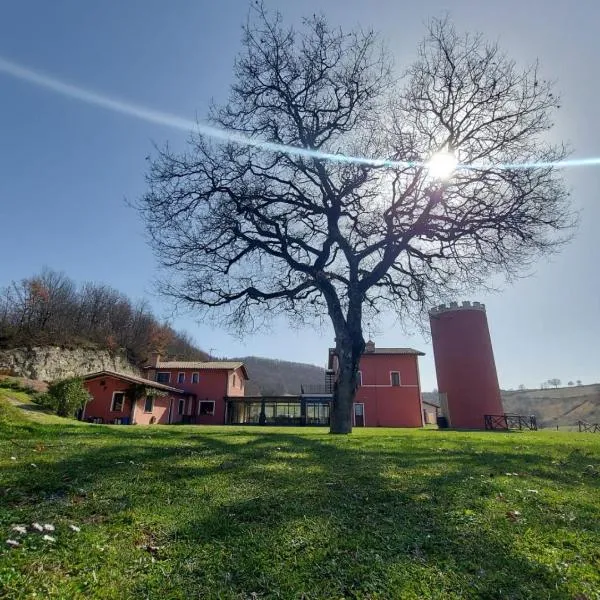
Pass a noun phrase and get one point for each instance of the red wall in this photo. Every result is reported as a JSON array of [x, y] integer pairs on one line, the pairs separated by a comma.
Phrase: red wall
[[464, 362], [212, 385], [101, 390], [387, 405]]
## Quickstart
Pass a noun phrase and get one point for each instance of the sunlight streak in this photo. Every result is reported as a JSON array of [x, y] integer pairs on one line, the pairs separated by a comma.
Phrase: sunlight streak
[[150, 115]]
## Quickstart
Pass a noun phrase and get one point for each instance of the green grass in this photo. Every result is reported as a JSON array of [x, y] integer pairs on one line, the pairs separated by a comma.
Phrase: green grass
[[233, 513]]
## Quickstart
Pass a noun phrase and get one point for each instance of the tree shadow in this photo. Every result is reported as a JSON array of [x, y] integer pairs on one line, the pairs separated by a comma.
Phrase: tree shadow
[[287, 515]]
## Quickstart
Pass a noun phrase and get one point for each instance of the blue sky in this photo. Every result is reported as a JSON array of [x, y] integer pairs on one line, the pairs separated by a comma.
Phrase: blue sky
[[66, 167]]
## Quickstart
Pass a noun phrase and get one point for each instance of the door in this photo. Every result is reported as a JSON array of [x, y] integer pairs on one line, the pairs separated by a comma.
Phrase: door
[[359, 415]]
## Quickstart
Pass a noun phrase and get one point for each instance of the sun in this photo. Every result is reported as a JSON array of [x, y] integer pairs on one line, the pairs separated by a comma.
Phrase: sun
[[442, 164]]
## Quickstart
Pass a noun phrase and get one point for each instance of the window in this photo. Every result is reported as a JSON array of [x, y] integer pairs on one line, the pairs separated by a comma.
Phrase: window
[[234, 381], [149, 404], [181, 407], [117, 402], [206, 407], [395, 378], [163, 377], [180, 377], [359, 378], [195, 377]]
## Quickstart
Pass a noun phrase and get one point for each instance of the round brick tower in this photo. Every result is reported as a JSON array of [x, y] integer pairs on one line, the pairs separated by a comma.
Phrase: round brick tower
[[464, 363]]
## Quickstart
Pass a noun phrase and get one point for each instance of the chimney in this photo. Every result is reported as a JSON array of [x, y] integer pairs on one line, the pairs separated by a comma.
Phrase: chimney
[[370, 346], [154, 359]]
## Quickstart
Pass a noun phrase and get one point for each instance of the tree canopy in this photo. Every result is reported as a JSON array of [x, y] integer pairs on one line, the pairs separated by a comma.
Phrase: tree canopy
[[248, 230]]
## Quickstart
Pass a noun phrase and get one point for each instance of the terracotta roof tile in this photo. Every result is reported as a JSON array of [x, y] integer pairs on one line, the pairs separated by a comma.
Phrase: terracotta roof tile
[[133, 379]]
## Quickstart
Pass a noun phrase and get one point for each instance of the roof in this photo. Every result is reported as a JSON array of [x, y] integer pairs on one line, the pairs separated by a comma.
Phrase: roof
[[133, 379], [432, 404], [215, 365], [389, 351]]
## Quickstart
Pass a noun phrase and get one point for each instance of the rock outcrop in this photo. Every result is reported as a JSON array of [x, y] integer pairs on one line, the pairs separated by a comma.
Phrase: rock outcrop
[[52, 362]]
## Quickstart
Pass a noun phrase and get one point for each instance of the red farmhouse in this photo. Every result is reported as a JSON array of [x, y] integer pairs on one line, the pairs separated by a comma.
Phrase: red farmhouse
[[212, 393], [121, 398], [389, 389], [209, 385], [172, 392]]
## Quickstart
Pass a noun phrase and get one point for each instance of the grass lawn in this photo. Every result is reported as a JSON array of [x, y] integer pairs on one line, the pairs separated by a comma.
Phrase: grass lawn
[[234, 513]]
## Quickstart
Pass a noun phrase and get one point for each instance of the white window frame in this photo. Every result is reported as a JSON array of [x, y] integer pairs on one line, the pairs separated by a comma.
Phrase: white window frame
[[168, 373], [392, 379], [196, 376], [212, 414], [149, 412], [181, 411], [179, 374], [112, 403]]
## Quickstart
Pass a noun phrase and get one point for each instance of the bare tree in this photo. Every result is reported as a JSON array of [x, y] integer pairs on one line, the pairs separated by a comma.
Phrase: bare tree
[[256, 231], [49, 309], [555, 382]]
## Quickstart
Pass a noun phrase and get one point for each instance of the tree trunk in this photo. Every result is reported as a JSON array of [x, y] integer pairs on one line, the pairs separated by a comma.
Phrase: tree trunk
[[348, 350], [343, 401]]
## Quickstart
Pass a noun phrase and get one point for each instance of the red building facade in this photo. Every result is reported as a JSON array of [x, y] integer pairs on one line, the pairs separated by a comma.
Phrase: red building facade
[[171, 392], [208, 384], [389, 388], [115, 398]]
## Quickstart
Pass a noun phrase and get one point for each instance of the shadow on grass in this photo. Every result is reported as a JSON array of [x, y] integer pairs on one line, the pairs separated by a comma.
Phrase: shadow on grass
[[313, 516]]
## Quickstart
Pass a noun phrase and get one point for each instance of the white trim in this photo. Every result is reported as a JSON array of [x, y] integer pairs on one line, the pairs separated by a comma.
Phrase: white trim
[[162, 373], [179, 412], [212, 414], [112, 402], [197, 374], [420, 394], [180, 373], [354, 404], [392, 379], [148, 412], [405, 385], [133, 411]]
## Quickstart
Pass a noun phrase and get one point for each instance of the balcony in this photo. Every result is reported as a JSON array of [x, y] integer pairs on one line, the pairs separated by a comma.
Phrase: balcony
[[316, 389]]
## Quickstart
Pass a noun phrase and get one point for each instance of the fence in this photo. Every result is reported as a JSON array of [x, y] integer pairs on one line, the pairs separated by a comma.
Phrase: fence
[[505, 422], [584, 426]]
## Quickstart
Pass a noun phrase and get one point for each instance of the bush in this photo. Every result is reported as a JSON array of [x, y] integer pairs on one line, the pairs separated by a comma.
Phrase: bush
[[65, 397]]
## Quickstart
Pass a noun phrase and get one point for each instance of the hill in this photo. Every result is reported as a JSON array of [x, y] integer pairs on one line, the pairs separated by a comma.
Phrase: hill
[[269, 376], [560, 406], [49, 309], [551, 407]]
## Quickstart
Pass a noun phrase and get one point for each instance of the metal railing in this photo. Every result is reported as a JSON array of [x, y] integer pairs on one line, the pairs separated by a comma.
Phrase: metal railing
[[508, 422], [584, 426], [317, 388]]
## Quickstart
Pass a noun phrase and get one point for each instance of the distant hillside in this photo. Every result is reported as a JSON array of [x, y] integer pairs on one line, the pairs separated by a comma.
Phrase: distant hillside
[[272, 377], [551, 407], [560, 406], [51, 310]]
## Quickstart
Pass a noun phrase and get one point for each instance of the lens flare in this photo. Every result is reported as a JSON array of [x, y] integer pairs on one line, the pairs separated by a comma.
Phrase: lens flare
[[440, 166]]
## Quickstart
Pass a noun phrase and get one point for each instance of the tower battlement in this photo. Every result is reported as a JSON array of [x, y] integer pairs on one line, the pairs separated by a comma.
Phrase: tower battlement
[[452, 306]]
